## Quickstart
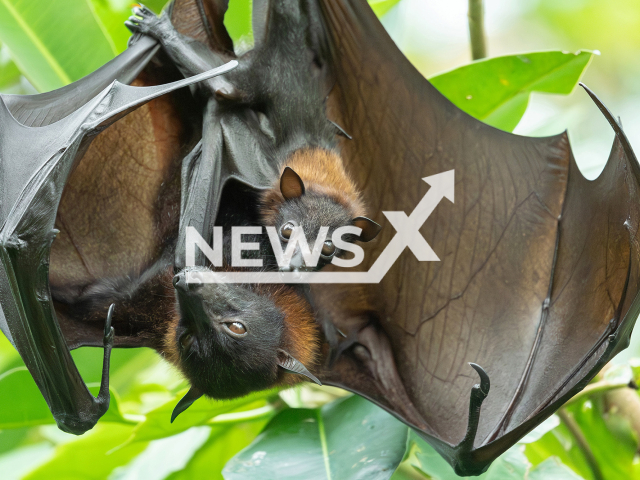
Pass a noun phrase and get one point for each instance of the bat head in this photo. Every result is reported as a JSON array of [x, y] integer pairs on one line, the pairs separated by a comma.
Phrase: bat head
[[229, 339], [327, 198]]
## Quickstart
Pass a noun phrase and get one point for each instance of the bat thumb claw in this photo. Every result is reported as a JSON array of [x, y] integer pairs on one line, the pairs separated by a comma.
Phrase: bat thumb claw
[[485, 383], [108, 329]]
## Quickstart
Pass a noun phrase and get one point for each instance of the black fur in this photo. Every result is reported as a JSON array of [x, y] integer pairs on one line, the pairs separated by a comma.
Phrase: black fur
[[217, 363]]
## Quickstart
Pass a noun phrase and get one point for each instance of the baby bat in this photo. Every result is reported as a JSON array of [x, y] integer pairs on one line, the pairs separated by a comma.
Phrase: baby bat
[[312, 189]]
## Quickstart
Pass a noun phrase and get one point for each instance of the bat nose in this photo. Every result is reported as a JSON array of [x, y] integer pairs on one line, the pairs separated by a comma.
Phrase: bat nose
[[180, 282]]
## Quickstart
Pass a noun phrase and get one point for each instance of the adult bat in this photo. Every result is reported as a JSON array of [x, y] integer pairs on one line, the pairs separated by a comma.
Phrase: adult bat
[[42, 139], [529, 251]]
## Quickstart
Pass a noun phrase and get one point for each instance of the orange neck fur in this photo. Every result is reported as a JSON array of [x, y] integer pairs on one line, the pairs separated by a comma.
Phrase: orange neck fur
[[322, 172]]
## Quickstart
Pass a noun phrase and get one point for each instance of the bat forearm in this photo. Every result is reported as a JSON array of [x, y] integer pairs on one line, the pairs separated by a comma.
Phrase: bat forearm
[[189, 56], [183, 51]]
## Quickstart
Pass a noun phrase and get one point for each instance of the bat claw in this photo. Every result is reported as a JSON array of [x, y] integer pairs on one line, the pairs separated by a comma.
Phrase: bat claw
[[478, 393], [109, 332], [485, 383]]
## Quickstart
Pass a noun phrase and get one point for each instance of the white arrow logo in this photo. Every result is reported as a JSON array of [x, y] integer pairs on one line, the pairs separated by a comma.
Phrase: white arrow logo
[[407, 235]]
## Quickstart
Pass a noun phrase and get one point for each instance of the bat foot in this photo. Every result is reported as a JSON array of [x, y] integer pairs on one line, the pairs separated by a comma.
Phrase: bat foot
[[146, 22]]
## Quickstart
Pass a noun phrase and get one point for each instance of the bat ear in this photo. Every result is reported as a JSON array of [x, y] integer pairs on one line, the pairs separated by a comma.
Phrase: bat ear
[[192, 395], [370, 229], [291, 365], [291, 185]]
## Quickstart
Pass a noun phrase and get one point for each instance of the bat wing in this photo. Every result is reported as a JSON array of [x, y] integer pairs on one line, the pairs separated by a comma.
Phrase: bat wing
[[537, 278], [39, 148]]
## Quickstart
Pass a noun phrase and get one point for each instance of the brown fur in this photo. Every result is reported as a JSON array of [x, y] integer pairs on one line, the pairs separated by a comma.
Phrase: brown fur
[[169, 350], [301, 336], [323, 173]]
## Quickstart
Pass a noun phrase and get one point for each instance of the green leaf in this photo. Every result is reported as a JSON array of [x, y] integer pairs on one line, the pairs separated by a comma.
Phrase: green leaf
[[20, 461], [158, 422], [237, 20], [164, 456], [348, 438], [560, 444], [9, 356], [23, 405], [552, 469], [497, 90], [222, 445], [380, 7], [91, 456], [9, 72], [21, 400], [609, 435], [511, 465], [55, 42]]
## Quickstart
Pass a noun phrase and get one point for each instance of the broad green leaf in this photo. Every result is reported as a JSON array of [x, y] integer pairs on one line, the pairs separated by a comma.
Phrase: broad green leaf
[[16, 463], [381, 7], [348, 438], [223, 443], [92, 456], [497, 90], [9, 72], [54, 42], [158, 422], [164, 456], [511, 465], [610, 437], [558, 443], [9, 356], [22, 403], [237, 20], [552, 469]]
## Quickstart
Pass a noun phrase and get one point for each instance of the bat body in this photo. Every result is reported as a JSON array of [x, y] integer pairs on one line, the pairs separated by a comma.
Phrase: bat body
[[537, 277]]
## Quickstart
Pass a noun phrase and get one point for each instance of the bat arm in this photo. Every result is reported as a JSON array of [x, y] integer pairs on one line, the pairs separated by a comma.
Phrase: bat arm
[[190, 56]]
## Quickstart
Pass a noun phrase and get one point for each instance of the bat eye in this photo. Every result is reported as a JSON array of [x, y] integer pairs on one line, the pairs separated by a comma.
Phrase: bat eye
[[236, 328], [328, 249], [286, 230], [186, 341]]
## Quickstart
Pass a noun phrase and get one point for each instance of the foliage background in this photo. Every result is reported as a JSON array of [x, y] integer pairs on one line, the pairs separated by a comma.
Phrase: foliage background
[[311, 432]]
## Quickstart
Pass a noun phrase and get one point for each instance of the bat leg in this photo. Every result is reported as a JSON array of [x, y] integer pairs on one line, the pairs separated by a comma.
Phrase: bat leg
[[109, 334]]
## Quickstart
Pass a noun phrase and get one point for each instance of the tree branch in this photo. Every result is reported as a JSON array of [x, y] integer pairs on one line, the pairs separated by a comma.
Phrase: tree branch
[[476, 29]]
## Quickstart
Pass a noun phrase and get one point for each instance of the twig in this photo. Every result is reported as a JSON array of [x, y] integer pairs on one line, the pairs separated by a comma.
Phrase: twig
[[603, 386], [476, 29], [582, 443]]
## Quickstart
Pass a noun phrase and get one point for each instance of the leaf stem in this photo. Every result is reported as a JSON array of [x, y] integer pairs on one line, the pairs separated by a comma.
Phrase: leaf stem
[[581, 442], [476, 29]]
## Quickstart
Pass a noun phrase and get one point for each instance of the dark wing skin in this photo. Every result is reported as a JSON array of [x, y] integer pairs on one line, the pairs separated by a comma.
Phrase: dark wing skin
[[538, 274], [38, 151]]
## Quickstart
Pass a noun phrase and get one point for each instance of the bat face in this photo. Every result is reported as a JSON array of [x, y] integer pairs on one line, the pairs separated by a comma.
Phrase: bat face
[[311, 212], [227, 338], [311, 206]]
